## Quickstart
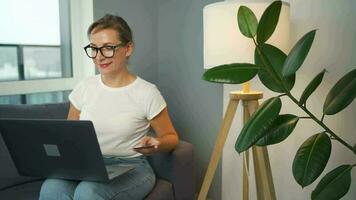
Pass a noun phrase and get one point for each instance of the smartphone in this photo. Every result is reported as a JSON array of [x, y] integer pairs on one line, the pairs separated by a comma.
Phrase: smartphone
[[144, 147]]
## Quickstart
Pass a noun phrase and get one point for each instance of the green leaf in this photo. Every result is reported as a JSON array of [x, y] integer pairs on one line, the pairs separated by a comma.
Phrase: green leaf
[[257, 125], [247, 21], [311, 87], [275, 57], [311, 159], [298, 54], [334, 184], [234, 73], [280, 129], [341, 95], [268, 22]]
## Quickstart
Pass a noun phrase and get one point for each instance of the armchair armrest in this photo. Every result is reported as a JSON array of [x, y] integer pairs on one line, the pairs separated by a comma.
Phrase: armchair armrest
[[177, 167]]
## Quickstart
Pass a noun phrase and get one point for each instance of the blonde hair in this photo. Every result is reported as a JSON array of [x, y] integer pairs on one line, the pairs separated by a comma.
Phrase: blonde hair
[[113, 22]]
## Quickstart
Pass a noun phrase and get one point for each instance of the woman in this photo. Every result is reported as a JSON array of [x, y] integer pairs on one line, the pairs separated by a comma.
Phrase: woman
[[122, 107]]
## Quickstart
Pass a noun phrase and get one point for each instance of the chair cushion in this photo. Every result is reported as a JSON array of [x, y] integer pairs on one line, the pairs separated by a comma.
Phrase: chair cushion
[[26, 191], [163, 190]]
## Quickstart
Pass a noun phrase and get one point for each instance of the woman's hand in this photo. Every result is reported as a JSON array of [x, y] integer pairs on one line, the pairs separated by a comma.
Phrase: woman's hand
[[148, 145]]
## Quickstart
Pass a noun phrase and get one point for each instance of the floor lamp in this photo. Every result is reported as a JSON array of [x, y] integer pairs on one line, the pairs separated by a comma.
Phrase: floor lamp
[[223, 43]]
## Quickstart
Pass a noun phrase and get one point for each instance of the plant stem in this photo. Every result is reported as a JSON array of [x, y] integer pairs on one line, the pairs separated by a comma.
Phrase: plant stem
[[304, 117], [278, 79], [282, 95], [322, 118], [320, 123]]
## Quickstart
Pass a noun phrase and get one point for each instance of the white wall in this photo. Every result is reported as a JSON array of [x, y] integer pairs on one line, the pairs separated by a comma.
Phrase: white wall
[[334, 49]]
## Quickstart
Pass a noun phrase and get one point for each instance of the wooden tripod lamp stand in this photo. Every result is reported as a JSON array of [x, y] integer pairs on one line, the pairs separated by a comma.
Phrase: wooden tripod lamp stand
[[263, 174], [224, 44]]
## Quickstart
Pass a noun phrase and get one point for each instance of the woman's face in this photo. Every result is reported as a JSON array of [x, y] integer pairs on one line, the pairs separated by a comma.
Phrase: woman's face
[[113, 65]]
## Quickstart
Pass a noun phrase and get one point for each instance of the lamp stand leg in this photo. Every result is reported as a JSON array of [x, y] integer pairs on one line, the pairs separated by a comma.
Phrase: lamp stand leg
[[263, 173], [245, 172], [218, 148]]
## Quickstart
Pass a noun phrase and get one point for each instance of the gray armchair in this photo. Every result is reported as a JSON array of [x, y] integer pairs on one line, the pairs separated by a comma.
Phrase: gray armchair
[[174, 170]]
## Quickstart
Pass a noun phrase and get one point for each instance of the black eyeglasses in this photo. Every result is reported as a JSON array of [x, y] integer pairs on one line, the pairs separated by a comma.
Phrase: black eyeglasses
[[108, 51]]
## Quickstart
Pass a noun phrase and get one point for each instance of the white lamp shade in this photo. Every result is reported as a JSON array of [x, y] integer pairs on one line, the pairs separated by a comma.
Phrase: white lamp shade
[[223, 41]]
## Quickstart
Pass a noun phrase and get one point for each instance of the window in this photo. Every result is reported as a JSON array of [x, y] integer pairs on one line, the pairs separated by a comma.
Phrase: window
[[34, 42], [14, 99], [43, 62], [8, 63], [28, 62], [42, 51]]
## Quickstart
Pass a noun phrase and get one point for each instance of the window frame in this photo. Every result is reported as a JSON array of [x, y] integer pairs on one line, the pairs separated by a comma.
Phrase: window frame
[[81, 16]]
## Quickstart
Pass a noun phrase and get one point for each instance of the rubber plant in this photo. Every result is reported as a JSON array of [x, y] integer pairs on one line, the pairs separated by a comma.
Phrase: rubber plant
[[277, 71]]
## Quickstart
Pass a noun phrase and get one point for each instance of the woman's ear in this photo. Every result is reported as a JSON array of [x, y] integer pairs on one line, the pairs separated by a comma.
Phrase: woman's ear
[[129, 49]]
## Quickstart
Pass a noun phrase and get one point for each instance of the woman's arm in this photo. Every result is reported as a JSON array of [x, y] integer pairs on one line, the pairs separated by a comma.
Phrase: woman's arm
[[73, 113], [167, 137]]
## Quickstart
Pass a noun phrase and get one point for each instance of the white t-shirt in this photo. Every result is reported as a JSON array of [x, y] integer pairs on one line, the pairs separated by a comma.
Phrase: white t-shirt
[[120, 115]]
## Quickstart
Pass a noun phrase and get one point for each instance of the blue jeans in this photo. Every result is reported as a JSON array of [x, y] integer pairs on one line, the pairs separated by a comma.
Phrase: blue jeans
[[135, 184]]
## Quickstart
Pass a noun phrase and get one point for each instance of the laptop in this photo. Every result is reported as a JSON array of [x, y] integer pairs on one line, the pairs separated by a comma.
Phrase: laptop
[[65, 149]]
